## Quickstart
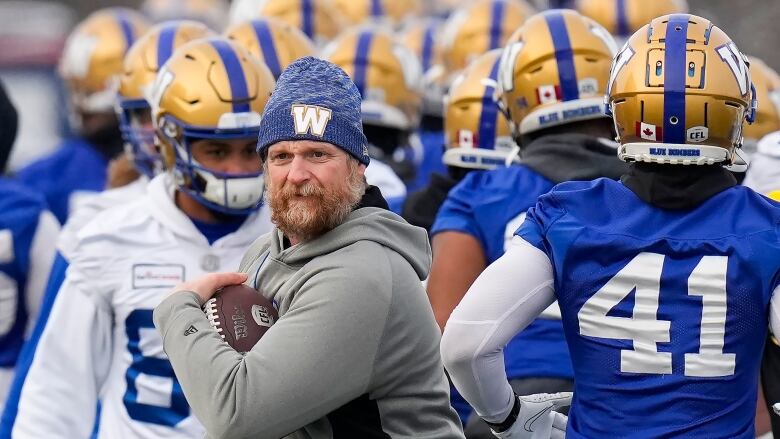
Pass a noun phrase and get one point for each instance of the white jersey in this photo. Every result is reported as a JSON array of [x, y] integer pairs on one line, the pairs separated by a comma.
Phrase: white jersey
[[100, 343], [763, 175], [382, 176], [89, 207]]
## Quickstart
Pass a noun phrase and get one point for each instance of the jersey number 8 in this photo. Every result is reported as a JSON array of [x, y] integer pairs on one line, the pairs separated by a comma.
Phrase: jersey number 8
[[158, 375]]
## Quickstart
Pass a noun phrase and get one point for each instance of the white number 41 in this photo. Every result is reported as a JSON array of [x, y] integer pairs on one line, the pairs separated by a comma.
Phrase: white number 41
[[708, 280]]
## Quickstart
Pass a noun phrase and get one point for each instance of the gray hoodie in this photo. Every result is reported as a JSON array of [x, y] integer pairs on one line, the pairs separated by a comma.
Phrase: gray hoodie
[[354, 354]]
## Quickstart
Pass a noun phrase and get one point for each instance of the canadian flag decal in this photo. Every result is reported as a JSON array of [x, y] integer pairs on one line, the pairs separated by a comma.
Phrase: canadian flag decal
[[548, 93], [649, 131]]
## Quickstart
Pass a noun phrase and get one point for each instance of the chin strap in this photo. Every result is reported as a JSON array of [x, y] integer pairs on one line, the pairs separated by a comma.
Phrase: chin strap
[[738, 162], [513, 154]]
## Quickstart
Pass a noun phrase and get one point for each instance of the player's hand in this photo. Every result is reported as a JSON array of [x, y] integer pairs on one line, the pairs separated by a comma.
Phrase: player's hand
[[537, 418], [205, 286]]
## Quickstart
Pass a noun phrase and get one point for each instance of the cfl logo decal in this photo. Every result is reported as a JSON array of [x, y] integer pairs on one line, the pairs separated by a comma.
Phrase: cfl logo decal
[[737, 64], [311, 119]]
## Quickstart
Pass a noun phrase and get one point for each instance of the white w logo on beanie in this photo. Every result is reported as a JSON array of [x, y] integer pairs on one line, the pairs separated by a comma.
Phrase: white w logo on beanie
[[310, 119]]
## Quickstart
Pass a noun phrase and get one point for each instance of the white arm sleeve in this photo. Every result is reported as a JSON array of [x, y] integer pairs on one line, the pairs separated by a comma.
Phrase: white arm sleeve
[[60, 393], [504, 299], [42, 253], [774, 312]]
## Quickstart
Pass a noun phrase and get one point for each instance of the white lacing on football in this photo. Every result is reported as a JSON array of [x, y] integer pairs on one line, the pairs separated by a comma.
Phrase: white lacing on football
[[210, 308]]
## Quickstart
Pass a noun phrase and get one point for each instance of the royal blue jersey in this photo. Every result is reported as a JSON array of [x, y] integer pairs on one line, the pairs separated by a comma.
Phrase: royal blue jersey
[[490, 206], [432, 162], [665, 312], [75, 167], [20, 210]]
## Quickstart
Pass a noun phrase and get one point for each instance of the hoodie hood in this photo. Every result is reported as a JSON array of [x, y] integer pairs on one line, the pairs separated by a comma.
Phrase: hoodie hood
[[364, 224], [567, 157]]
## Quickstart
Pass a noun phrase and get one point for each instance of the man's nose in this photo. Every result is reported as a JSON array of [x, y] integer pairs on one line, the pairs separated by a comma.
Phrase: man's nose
[[299, 172]]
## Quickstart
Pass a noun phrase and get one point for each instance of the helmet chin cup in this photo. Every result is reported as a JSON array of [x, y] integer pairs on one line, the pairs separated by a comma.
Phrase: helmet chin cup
[[232, 192]]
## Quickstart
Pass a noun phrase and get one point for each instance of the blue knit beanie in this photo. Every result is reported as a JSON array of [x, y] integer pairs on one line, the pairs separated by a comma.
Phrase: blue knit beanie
[[314, 100]]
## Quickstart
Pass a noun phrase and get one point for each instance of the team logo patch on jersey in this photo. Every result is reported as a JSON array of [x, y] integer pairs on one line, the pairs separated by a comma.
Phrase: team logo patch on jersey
[[311, 119], [157, 276]]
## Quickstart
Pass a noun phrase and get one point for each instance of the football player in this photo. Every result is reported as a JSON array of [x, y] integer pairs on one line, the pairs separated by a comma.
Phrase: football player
[[390, 12], [275, 42], [761, 145], [480, 26], [624, 17], [665, 280], [140, 68], [388, 77], [318, 19], [92, 58], [99, 341], [213, 13], [422, 37], [27, 229], [552, 79], [477, 137]]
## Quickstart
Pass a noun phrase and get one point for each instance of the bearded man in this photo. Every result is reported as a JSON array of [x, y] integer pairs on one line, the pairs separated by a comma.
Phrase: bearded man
[[355, 352]]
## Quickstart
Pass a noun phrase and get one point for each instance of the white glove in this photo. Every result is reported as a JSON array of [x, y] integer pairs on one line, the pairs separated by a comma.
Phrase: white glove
[[537, 418]]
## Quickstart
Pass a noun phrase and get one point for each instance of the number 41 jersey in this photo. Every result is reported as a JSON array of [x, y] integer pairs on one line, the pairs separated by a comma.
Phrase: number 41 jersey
[[665, 312]]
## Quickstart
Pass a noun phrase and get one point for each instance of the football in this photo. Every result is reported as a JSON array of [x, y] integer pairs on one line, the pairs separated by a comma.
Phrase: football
[[241, 315]]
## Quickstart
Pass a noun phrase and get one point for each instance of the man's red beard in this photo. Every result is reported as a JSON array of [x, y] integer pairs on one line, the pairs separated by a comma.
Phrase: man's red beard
[[309, 210]]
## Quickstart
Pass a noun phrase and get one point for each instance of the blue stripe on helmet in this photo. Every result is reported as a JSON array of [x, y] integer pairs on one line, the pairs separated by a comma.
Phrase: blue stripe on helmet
[[496, 20], [362, 60], [376, 8], [165, 44], [267, 46], [564, 56], [622, 19], [127, 29], [235, 74], [307, 17], [427, 48], [674, 78], [488, 120]]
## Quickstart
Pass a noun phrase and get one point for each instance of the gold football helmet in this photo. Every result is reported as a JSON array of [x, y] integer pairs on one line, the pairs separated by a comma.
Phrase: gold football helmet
[[140, 68], [775, 196], [422, 37], [478, 27], [275, 42], [554, 71], [679, 92], [210, 12], [387, 74], [93, 56], [767, 83], [476, 133], [391, 11], [210, 89], [318, 19], [624, 17]]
